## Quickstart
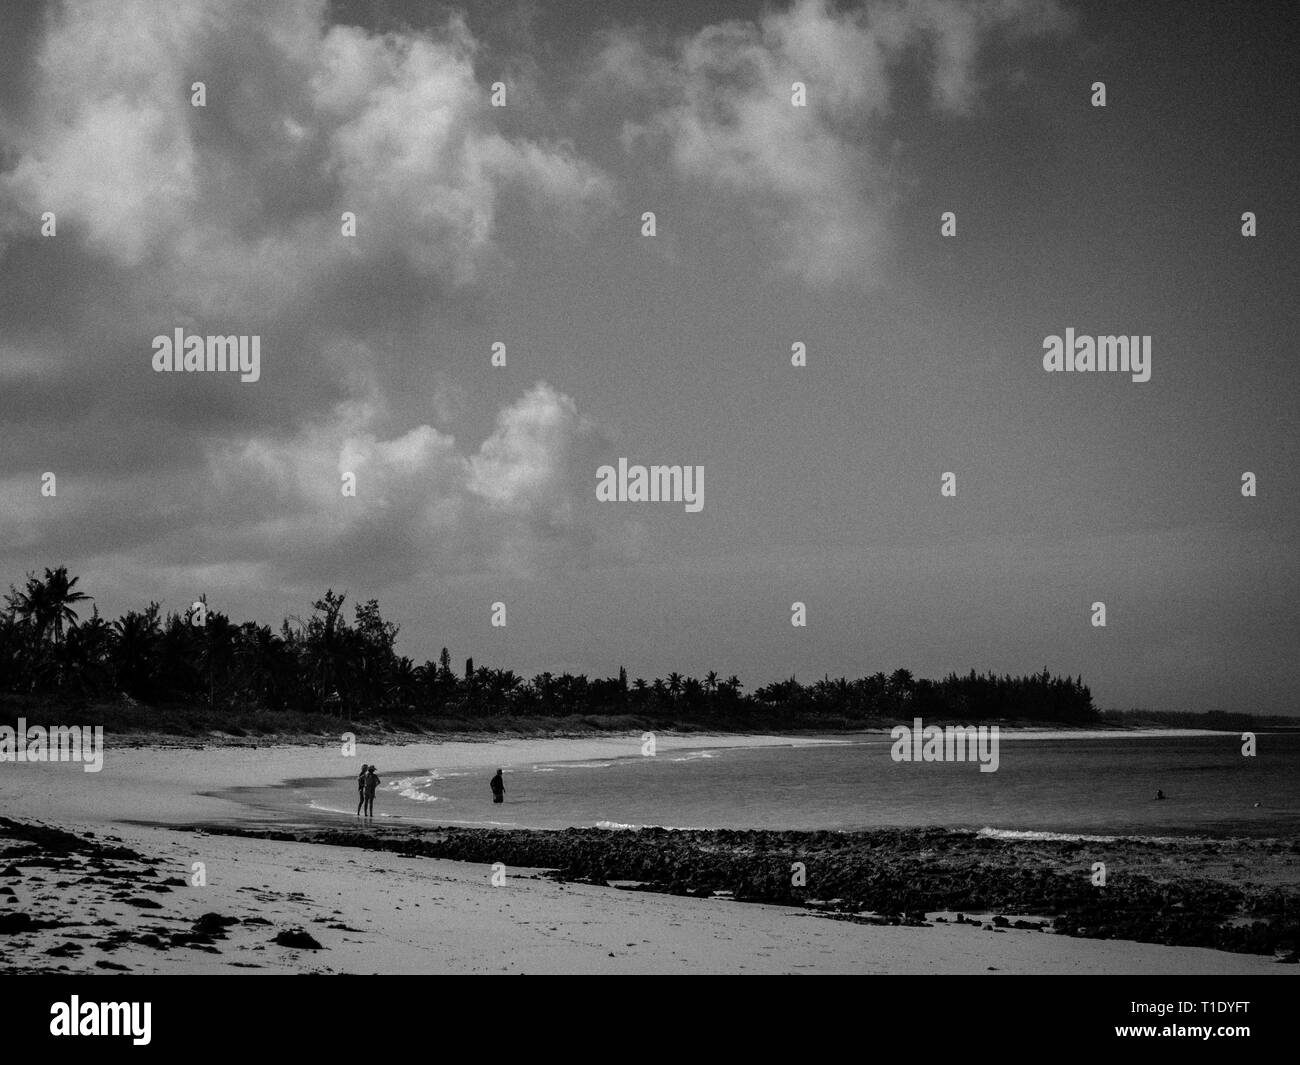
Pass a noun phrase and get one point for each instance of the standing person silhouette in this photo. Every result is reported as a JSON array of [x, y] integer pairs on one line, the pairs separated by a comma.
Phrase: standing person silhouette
[[361, 788], [498, 788], [372, 782]]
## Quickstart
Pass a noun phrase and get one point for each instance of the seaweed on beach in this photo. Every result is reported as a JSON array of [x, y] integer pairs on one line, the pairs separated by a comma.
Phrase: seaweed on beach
[[897, 874], [55, 842]]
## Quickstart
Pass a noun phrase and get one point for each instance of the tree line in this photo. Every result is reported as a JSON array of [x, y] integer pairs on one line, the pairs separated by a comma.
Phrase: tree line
[[328, 662]]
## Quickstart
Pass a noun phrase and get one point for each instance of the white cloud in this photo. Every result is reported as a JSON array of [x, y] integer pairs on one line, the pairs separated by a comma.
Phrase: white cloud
[[303, 121], [721, 104], [226, 219], [521, 502], [515, 503]]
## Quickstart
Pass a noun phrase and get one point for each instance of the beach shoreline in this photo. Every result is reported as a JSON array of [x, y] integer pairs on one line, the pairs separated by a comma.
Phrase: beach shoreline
[[399, 910]]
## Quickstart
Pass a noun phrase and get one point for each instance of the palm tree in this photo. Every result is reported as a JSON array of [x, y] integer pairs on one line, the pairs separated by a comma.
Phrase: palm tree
[[86, 653], [266, 663], [134, 650], [217, 652], [900, 691], [403, 682], [48, 605], [325, 644], [503, 684]]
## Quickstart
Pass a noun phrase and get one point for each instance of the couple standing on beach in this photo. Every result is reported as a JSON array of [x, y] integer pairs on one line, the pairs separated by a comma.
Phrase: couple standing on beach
[[367, 782]]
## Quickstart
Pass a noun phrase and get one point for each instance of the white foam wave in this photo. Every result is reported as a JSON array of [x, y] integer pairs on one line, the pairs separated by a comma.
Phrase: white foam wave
[[1077, 837], [316, 804], [413, 788], [416, 795]]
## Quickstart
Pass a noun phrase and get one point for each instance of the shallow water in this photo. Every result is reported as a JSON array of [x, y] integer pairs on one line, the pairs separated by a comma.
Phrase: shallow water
[[1091, 786]]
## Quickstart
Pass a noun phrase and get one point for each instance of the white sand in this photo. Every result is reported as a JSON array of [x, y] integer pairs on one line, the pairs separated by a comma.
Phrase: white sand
[[424, 915]]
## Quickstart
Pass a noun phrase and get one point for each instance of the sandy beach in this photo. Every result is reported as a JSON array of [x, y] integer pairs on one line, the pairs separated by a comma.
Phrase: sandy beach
[[120, 897]]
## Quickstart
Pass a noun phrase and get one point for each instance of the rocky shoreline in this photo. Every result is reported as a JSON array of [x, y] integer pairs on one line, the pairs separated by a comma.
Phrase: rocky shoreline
[[1230, 894], [86, 902]]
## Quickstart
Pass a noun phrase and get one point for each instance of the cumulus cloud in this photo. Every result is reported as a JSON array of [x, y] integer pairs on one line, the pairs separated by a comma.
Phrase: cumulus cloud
[[225, 219], [720, 103], [303, 121], [520, 502]]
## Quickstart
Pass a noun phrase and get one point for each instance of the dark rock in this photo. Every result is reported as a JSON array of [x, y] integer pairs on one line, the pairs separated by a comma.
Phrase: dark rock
[[213, 924], [11, 923], [185, 939], [297, 938]]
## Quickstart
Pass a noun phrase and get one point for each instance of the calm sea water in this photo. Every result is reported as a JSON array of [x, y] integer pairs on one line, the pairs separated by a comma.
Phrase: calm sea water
[[1101, 786]]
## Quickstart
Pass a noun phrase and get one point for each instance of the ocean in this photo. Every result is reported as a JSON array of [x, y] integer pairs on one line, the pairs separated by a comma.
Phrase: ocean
[[1073, 785]]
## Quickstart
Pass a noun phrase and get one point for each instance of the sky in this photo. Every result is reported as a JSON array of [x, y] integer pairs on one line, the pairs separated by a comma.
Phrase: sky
[[522, 225]]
